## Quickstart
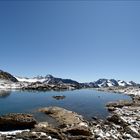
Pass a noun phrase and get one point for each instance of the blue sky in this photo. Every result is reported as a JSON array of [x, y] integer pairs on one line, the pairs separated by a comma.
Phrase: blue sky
[[81, 40]]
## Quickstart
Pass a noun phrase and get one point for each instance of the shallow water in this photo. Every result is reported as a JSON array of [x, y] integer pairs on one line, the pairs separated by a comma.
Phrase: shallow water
[[87, 102]]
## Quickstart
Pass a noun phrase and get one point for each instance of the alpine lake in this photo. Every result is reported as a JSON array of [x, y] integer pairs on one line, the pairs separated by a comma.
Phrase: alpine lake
[[86, 102]]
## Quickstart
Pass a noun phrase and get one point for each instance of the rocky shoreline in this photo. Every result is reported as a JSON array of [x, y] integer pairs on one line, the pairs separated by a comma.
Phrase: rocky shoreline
[[122, 123], [129, 90]]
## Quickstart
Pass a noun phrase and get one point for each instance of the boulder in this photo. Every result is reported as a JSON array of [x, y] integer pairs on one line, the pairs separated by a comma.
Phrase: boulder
[[71, 126], [59, 97], [16, 122], [117, 119], [64, 117], [78, 131], [132, 131], [49, 130], [110, 108]]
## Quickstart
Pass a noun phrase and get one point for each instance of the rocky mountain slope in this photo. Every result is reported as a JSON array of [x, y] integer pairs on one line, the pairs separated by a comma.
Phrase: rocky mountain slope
[[7, 76]]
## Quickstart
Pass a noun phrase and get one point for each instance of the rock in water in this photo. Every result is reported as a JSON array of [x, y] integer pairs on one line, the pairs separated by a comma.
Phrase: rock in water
[[63, 116], [59, 97], [72, 125]]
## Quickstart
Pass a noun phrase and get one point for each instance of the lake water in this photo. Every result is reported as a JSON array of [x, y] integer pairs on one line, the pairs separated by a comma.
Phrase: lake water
[[87, 102]]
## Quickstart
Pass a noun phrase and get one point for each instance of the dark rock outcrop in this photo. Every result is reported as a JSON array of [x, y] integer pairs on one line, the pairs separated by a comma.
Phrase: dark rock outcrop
[[7, 76], [58, 97], [16, 121]]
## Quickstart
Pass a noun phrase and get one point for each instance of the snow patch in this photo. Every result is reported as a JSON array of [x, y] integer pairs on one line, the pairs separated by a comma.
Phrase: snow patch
[[12, 132]]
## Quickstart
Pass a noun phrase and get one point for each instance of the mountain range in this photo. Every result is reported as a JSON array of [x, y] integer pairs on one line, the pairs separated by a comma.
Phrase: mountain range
[[7, 78], [48, 79], [109, 83]]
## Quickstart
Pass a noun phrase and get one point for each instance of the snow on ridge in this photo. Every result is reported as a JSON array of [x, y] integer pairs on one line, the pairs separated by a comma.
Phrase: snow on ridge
[[30, 80], [122, 83], [109, 84]]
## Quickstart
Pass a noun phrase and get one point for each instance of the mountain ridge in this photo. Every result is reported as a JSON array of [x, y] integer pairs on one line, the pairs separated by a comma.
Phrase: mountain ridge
[[49, 79], [110, 83]]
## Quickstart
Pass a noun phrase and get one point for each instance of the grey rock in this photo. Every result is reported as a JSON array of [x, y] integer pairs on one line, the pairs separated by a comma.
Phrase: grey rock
[[131, 130], [119, 104]]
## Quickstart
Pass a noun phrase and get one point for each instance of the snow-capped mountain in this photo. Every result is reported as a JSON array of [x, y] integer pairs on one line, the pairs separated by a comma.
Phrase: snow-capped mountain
[[48, 79], [110, 83]]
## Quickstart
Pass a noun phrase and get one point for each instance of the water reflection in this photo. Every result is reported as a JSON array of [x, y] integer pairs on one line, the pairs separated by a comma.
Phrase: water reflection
[[4, 94]]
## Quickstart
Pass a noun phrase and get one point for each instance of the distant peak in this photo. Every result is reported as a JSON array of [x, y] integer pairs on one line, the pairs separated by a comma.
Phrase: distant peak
[[38, 77], [49, 76]]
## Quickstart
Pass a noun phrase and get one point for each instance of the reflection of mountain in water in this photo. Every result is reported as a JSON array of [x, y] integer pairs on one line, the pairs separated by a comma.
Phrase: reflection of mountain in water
[[4, 94]]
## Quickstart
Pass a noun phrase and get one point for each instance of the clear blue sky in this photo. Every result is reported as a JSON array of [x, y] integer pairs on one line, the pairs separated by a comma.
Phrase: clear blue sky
[[81, 40]]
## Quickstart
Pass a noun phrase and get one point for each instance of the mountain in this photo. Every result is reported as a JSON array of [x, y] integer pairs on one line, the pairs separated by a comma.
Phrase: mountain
[[48, 79], [7, 76], [50, 82], [109, 83], [53, 80]]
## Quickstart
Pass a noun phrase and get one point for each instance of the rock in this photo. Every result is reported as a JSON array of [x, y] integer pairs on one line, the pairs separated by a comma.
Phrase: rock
[[71, 125], [77, 131], [64, 117], [115, 118], [49, 130], [31, 135], [95, 118], [119, 104], [126, 118], [42, 125], [110, 108], [59, 97], [16, 121], [132, 131], [7, 76]]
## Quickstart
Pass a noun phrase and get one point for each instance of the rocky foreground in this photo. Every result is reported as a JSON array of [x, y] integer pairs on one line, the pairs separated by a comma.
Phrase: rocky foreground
[[122, 124]]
